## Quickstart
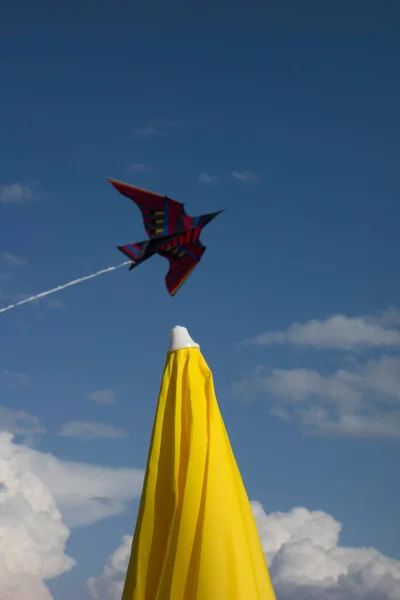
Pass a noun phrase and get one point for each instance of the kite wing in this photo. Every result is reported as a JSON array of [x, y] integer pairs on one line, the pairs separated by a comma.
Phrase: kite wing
[[182, 261], [161, 215]]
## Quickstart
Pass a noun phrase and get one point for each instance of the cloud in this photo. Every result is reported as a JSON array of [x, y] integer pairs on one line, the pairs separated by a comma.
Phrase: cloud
[[13, 379], [41, 498], [167, 123], [146, 132], [245, 176], [159, 128], [103, 396], [33, 536], [306, 561], [304, 557], [140, 168], [109, 585], [206, 178], [55, 304], [13, 261], [87, 430], [339, 332], [362, 402], [388, 318], [15, 193], [84, 493], [20, 423]]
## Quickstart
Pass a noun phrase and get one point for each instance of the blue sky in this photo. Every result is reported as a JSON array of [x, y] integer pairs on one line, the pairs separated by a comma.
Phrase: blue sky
[[291, 111]]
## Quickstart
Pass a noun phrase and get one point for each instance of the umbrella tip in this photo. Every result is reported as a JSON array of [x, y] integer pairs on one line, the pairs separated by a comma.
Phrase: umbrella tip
[[180, 338]]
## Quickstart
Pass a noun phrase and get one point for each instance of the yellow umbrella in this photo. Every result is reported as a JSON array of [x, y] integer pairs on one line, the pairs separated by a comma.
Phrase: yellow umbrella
[[195, 536]]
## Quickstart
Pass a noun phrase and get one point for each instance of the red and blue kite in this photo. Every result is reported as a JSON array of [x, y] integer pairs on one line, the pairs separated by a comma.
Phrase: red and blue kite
[[172, 234]]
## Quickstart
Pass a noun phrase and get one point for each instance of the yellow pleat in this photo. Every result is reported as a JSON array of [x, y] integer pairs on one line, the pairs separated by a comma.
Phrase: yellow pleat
[[195, 536]]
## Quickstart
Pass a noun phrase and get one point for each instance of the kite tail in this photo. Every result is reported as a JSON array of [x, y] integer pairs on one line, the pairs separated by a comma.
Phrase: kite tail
[[62, 287]]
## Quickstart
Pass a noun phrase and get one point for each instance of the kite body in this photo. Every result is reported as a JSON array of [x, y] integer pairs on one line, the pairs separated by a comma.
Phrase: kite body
[[172, 234]]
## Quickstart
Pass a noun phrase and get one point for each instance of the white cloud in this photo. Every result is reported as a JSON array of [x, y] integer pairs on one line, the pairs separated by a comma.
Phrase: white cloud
[[388, 318], [109, 585], [84, 493], [13, 261], [15, 193], [306, 561], [245, 176], [103, 396], [32, 534], [362, 402], [206, 178], [339, 332], [140, 168], [304, 557], [22, 586], [55, 304], [88, 430], [20, 423], [146, 132], [13, 379], [40, 498], [159, 128]]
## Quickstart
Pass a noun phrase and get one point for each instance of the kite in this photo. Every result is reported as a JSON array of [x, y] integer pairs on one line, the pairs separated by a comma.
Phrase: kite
[[172, 234]]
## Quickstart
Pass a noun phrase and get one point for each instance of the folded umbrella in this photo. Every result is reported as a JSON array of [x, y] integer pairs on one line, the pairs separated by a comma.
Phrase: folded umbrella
[[195, 536]]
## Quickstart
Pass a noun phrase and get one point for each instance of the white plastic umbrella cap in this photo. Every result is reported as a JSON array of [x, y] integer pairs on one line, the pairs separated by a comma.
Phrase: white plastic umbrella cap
[[180, 338]]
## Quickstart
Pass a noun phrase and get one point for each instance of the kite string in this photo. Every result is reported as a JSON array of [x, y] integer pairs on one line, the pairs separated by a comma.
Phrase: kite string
[[62, 287]]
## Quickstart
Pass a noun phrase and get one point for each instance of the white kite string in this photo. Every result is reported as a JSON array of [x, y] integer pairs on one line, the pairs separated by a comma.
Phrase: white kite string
[[62, 287]]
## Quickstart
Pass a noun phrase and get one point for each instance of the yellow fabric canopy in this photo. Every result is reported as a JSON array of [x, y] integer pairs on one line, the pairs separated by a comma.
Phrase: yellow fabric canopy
[[195, 536]]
